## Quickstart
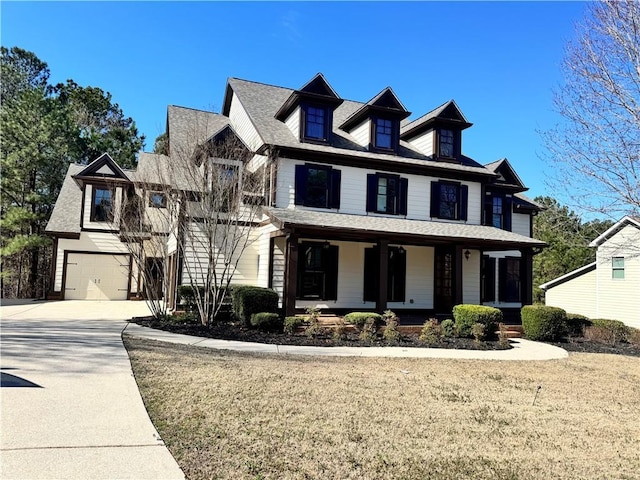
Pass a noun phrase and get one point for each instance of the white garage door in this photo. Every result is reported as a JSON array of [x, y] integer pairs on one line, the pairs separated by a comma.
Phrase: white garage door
[[93, 276]]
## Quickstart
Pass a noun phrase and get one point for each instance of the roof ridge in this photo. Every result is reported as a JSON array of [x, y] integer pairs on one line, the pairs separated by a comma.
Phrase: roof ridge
[[194, 109], [261, 83]]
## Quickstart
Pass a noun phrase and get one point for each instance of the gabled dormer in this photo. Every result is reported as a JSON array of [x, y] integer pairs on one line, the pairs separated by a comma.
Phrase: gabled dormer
[[438, 134], [308, 112], [500, 201], [103, 183], [376, 125]]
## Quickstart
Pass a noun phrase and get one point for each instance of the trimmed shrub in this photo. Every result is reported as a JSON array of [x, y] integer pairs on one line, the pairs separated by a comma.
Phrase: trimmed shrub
[[359, 319], [617, 330], [466, 316], [247, 300], [634, 336], [448, 328], [541, 322], [576, 324], [391, 333], [267, 322], [431, 332], [291, 324], [187, 295]]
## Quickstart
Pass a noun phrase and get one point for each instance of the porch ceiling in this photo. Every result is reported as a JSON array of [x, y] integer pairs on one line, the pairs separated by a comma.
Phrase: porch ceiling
[[418, 232]]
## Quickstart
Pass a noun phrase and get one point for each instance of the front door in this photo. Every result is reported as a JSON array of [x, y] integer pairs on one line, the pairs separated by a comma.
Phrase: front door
[[444, 280]]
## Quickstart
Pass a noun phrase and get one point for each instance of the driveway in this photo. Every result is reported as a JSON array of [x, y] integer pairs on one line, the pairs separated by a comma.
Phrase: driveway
[[71, 408]]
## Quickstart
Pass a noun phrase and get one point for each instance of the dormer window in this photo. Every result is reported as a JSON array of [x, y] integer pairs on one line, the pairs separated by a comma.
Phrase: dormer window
[[101, 204], [384, 134], [446, 144], [315, 126]]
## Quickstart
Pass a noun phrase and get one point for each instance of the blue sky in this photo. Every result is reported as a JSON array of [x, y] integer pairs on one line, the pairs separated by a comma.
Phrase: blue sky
[[498, 60]]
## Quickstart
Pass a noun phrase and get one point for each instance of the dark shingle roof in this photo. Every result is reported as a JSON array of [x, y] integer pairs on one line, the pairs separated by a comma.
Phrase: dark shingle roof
[[189, 127], [424, 229], [65, 217]]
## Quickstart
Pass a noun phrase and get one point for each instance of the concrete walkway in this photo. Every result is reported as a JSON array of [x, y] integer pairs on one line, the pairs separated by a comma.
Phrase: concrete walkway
[[71, 408], [522, 349]]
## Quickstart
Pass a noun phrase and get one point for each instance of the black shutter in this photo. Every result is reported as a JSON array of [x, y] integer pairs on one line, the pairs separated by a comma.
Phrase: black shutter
[[330, 264], [464, 200], [506, 212], [502, 279], [301, 184], [488, 279], [398, 270], [371, 268], [334, 189], [372, 192], [435, 199], [402, 196], [488, 210]]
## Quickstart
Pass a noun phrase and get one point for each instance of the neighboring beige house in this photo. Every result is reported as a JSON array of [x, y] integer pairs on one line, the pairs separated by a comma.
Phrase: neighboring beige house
[[608, 287], [362, 208]]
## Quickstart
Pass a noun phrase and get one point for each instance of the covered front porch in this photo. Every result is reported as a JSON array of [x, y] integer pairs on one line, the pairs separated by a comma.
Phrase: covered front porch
[[342, 263]]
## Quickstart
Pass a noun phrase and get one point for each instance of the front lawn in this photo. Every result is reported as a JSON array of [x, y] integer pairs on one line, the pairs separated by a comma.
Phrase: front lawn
[[229, 415]]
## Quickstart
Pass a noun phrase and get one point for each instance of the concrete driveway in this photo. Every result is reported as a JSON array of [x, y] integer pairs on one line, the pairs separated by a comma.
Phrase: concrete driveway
[[70, 405]]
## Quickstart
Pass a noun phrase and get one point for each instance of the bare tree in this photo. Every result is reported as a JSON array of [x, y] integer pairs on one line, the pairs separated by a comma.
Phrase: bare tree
[[214, 188], [595, 151]]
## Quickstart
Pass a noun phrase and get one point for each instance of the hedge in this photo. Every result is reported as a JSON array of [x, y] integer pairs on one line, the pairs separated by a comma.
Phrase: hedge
[[541, 322], [576, 324], [267, 322], [359, 319], [247, 300], [465, 316], [615, 328]]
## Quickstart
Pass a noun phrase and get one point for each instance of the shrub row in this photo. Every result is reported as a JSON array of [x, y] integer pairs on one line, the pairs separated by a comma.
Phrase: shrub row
[[466, 316]]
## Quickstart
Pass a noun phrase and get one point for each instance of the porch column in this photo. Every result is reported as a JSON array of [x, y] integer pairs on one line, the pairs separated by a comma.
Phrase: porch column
[[383, 249], [458, 279], [526, 276], [291, 276]]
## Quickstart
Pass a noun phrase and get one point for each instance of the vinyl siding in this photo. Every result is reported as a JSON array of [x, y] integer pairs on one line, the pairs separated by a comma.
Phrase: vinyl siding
[[575, 295], [471, 278], [262, 246], [424, 143], [362, 133], [521, 224], [354, 187], [277, 282], [241, 122], [619, 299], [293, 122]]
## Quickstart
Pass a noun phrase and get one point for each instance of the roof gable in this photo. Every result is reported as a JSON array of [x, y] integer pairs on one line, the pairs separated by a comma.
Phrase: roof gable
[[448, 113], [318, 85], [626, 221], [104, 167], [385, 103], [506, 175], [316, 90]]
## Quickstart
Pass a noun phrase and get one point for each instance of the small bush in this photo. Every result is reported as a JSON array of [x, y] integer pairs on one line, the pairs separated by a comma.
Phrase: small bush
[[503, 337], [314, 329], [479, 331], [340, 330], [369, 330], [267, 322], [391, 333], [359, 319], [247, 300], [184, 317], [431, 332], [634, 336], [544, 323], [466, 316], [291, 324], [448, 328], [616, 330], [576, 324]]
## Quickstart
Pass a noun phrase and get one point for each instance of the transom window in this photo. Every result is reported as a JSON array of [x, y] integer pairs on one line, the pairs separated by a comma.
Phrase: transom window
[[157, 200], [315, 127], [446, 143], [617, 264], [384, 133], [102, 204]]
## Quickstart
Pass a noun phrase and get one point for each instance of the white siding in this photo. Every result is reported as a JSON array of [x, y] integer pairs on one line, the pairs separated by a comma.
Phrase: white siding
[[424, 143], [88, 242], [277, 280], [575, 295], [471, 278], [86, 219], [521, 224], [242, 124], [293, 122], [362, 133], [619, 298], [354, 187], [262, 245]]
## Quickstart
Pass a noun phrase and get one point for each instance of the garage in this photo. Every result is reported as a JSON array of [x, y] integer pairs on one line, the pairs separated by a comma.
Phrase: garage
[[96, 276]]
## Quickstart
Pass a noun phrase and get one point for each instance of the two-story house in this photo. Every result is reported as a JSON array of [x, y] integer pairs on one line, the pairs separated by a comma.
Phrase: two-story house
[[362, 208]]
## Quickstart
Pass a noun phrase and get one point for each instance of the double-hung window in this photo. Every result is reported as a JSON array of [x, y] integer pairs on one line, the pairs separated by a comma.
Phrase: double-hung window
[[396, 274], [317, 186], [509, 279], [617, 267], [446, 144], [101, 204], [384, 133], [316, 123], [386, 194], [317, 271], [449, 200], [497, 211]]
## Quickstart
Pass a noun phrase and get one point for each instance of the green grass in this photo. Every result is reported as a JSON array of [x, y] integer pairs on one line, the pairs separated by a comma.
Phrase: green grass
[[227, 415]]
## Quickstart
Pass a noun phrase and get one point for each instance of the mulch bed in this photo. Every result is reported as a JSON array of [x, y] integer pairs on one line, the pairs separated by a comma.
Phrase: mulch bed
[[579, 344], [231, 331]]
